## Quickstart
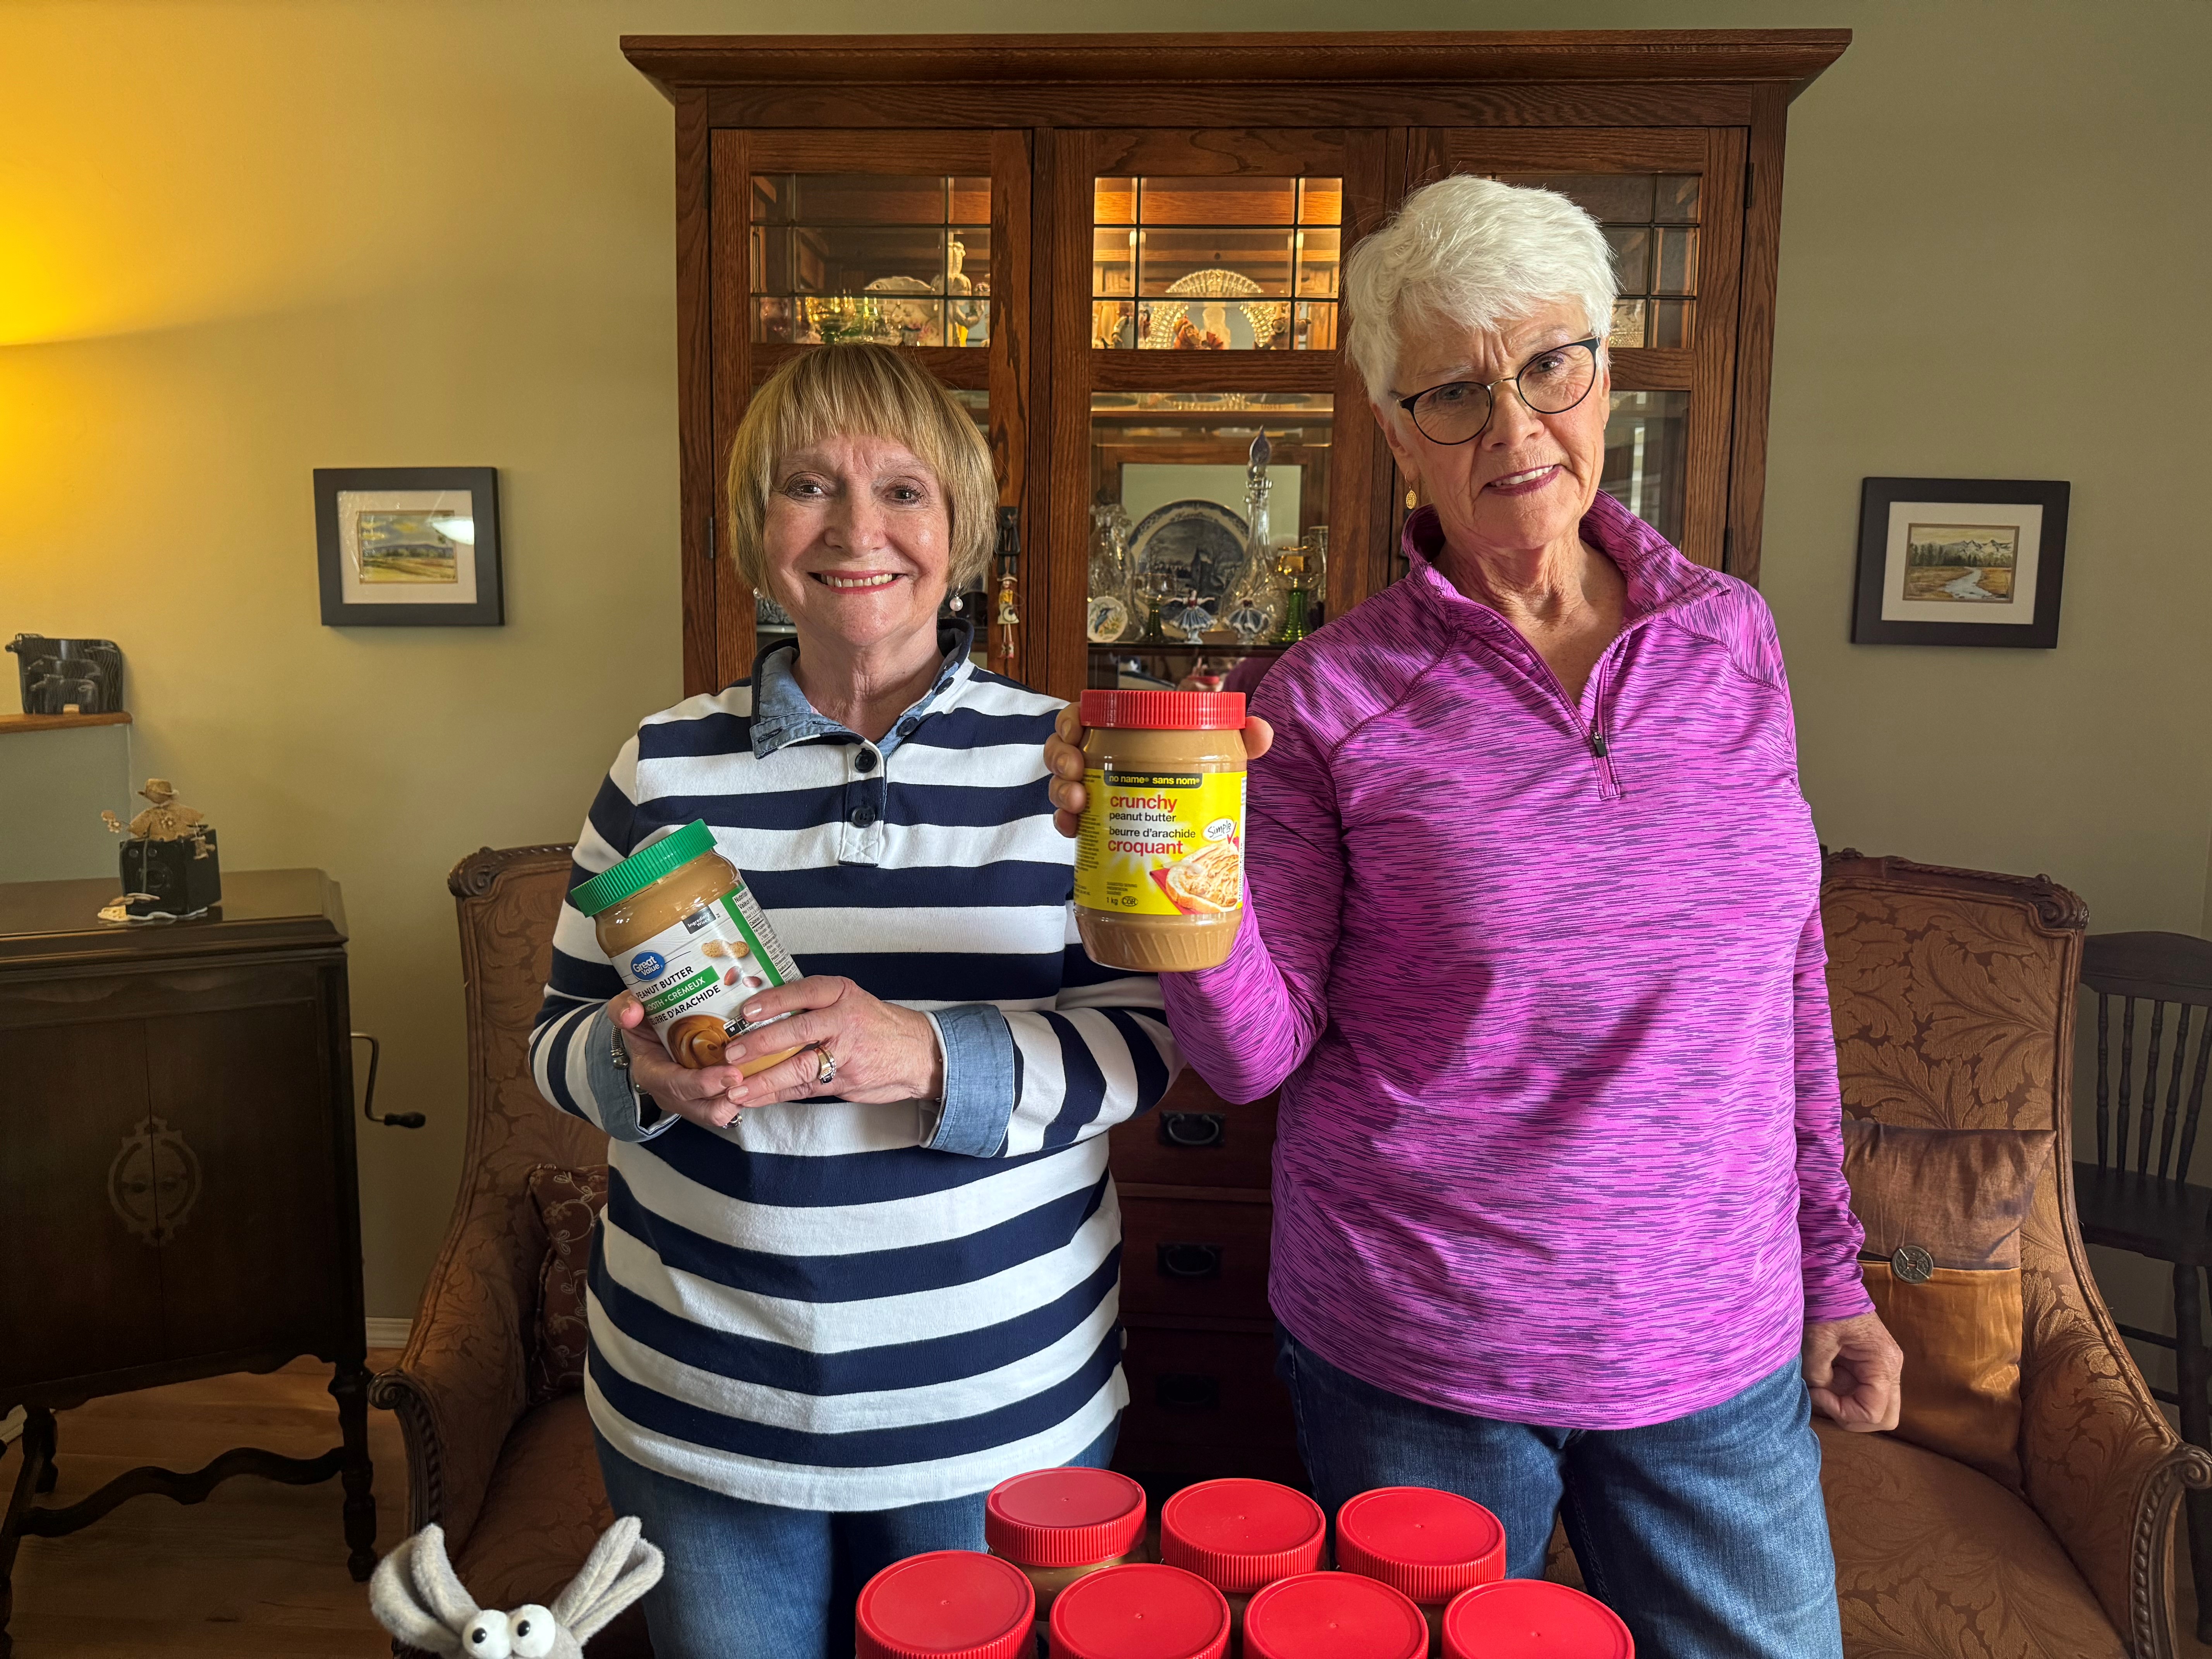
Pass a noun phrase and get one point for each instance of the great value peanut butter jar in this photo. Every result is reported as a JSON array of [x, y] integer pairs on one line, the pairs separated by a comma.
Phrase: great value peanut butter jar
[[676, 920], [1159, 862]]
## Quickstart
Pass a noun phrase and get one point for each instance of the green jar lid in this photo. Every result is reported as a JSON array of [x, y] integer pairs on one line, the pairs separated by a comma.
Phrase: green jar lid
[[643, 868]]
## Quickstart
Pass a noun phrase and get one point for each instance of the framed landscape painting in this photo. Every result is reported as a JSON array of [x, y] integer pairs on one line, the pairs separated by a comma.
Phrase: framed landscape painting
[[1960, 561], [409, 546]]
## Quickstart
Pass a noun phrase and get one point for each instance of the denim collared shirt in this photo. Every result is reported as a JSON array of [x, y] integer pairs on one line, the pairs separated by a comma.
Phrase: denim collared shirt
[[974, 1044], [782, 715]]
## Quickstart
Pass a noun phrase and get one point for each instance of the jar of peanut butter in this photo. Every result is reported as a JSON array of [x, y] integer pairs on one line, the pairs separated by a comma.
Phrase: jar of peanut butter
[[1141, 1611], [676, 920], [1428, 1545], [1242, 1535], [1059, 1525], [1533, 1618], [1159, 862], [948, 1604], [1333, 1616]]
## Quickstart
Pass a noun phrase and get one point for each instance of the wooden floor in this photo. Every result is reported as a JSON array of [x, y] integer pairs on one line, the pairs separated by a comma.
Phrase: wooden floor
[[258, 1569]]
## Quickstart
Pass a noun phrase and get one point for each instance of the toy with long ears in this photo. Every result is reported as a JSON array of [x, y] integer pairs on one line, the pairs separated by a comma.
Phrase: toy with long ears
[[416, 1596]]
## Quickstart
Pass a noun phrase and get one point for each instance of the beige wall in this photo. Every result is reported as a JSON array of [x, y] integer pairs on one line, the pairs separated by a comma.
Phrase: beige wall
[[245, 240]]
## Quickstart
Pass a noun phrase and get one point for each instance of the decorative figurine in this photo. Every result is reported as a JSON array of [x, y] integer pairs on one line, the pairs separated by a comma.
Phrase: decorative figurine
[[416, 1596], [1009, 560], [966, 315], [170, 866]]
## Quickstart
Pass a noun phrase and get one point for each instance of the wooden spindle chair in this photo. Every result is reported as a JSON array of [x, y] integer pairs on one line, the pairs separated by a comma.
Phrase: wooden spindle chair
[[2137, 1196]]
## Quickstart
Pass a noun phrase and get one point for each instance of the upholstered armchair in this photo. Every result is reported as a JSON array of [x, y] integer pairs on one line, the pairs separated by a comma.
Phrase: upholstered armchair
[[516, 1486], [1953, 996]]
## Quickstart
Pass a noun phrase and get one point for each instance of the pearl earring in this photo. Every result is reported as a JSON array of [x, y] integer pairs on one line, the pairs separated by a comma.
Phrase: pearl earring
[[953, 603], [1412, 501]]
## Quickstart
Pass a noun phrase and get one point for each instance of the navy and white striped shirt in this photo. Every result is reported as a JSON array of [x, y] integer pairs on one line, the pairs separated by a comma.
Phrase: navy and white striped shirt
[[833, 1306]]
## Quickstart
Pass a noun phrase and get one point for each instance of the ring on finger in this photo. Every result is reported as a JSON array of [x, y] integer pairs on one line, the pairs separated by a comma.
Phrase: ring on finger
[[825, 1065]]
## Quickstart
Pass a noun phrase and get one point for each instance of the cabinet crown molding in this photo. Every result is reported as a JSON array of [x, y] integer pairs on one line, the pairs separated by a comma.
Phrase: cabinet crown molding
[[1791, 56]]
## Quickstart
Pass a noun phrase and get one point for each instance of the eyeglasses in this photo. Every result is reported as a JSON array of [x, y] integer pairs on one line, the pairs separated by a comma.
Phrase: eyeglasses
[[1551, 383]]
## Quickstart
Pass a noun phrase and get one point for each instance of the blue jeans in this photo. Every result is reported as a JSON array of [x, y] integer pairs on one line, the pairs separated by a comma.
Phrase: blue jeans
[[751, 1579], [1706, 1534]]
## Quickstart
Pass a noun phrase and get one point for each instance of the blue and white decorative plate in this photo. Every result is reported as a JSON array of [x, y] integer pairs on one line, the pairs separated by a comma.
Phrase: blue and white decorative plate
[[1198, 544]]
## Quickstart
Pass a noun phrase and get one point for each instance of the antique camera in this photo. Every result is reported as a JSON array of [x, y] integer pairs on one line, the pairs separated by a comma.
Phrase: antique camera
[[170, 865]]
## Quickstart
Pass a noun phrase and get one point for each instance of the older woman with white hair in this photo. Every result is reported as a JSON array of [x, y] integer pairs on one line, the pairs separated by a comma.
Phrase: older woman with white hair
[[834, 1302], [1533, 954]]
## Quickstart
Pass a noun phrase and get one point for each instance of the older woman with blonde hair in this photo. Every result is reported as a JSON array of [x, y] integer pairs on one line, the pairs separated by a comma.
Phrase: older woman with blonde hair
[[1533, 952], [833, 1303]]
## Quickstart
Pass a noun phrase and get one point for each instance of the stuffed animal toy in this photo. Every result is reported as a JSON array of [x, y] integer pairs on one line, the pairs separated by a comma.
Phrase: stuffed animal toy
[[416, 1596]]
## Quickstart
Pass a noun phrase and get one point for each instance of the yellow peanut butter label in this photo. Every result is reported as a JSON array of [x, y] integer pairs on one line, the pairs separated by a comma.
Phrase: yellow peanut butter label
[[1162, 843]]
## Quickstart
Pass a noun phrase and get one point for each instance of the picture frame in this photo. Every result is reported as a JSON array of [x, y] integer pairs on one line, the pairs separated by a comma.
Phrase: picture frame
[[409, 546], [1960, 561]]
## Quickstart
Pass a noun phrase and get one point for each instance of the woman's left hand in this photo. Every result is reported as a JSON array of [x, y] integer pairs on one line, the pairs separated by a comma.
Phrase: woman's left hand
[[885, 1053], [1063, 760], [1853, 1368]]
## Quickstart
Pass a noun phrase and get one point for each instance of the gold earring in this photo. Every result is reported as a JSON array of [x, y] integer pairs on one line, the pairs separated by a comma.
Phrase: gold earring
[[1412, 501]]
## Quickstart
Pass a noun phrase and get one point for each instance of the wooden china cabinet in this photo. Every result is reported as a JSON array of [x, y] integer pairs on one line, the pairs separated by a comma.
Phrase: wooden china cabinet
[[1123, 252]]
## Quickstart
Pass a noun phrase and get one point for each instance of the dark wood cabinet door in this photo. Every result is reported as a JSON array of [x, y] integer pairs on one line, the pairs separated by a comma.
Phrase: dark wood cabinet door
[[1672, 202], [80, 1292], [1195, 300], [247, 1089], [916, 239]]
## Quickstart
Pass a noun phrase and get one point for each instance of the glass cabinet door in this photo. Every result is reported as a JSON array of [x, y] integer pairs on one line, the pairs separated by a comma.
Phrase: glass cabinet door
[[1670, 202], [1197, 373], [918, 240]]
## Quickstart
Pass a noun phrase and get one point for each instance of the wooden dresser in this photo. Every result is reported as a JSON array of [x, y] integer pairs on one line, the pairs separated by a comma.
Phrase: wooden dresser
[[1195, 1215], [176, 1187]]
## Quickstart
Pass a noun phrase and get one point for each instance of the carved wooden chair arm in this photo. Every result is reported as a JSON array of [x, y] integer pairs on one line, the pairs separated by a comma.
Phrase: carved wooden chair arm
[[461, 1384], [2101, 1464]]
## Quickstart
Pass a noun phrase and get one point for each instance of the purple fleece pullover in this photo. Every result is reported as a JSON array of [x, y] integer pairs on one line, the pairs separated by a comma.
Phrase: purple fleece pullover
[[1543, 987]]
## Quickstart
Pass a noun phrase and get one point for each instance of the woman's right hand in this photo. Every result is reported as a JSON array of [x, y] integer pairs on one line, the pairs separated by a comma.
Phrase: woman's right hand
[[1063, 759], [702, 1096]]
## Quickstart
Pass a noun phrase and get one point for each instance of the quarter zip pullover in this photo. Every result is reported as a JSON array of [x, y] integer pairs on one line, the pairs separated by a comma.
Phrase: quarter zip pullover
[[1542, 985]]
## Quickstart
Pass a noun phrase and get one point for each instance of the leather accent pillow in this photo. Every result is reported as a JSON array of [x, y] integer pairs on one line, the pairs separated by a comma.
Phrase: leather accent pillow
[[568, 1201], [1942, 1210]]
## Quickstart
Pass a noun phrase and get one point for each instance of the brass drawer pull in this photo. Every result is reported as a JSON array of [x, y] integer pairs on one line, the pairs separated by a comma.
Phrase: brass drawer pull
[[1190, 1261], [1185, 1391], [1193, 1130]]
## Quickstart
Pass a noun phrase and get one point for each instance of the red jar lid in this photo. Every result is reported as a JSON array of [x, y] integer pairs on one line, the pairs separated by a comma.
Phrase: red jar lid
[[1064, 1518], [1240, 1534], [950, 1604], [1165, 711], [1141, 1611], [1534, 1618], [1431, 1544], [1333, 1616]]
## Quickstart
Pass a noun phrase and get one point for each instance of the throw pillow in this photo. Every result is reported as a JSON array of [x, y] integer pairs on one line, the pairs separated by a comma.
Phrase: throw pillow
[[568, 1201], [1942, 1210]]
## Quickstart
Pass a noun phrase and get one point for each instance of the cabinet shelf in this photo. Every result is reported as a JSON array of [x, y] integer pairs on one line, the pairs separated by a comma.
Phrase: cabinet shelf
[[1178, 648]]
